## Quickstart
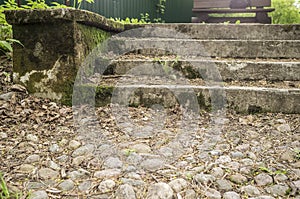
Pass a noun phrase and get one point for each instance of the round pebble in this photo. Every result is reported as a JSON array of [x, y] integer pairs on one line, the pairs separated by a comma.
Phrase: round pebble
[[160, 190], [223, 184], [212, 194], [204, 178], [113, 162], [78, 160], [47, 173], [66, 185], [39, 195], [141, 148], [178, 184], [278, 190], [26, 168], [85, 186], [238, 178], [217, 172], [73, 144], [250, 190], [32, 138], [106, 186], [32, 158], [3, 135], [125, 191], [152, 164], [84, 150], [263, 179], [108, 173], [54, 148], [231, 195]]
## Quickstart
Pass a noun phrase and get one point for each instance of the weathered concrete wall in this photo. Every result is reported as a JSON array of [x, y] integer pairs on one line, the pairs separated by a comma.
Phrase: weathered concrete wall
[[55, 44]]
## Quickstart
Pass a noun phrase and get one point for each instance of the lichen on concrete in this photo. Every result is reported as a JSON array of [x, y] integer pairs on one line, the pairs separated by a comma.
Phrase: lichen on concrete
[[52, 83], [56, 42], [87, 38], [103, 95]]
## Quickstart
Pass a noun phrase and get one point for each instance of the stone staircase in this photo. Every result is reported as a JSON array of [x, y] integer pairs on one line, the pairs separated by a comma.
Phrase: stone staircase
[[248, 68]]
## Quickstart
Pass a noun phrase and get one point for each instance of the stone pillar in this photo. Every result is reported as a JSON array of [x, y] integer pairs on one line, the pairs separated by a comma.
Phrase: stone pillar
[[56, 42]]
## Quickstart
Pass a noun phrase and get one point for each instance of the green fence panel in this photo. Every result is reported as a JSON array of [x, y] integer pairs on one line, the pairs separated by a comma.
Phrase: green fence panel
[[176, 10], [179, 11], [122, 8]]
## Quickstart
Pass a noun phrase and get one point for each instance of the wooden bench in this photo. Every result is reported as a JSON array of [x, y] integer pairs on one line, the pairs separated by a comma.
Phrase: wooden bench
[[203, 9]]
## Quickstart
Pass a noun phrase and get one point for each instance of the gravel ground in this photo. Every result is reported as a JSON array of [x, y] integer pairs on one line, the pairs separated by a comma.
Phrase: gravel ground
[[53, 151]]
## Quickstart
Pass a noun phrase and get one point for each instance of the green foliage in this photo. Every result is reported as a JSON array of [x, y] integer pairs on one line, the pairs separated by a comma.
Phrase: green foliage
[[233, 15], [3, 187], [57, 5], [5, 30], [144, 20], [77, 3], [168, 66], [41, 4], [128, 152], [7, 5], [158, 20], [189, 176], [285, 12], [10, 5], [265, 169], [6, 45], [161, 6], [6, 40], [269, 171], [145, 17], [160, 9], [4, 191], [37, 4]]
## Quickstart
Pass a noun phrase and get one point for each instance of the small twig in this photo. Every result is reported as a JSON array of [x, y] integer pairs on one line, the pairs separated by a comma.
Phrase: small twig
[[154, 177], [294, 130]]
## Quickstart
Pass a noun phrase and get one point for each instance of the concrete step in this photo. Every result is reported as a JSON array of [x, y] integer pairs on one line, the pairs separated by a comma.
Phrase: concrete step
[[222, 31], [241, 99], [226, 69], [195, 49], [245, 97]]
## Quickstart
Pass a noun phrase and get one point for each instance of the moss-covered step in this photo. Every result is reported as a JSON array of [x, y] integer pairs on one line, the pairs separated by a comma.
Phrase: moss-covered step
[[241, 99], [56, 41], [226, 69], [241, 96]]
